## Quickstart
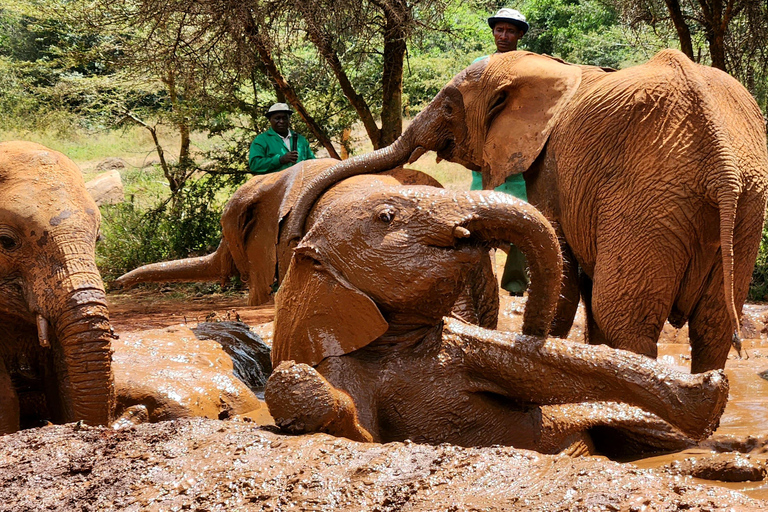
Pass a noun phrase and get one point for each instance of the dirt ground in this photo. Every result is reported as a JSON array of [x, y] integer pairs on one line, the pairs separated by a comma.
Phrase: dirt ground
[[199, 464]]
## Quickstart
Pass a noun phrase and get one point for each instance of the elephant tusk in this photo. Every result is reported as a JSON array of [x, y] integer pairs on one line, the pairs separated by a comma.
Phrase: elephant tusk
[[42, 331], [461, 232], [416, 154]]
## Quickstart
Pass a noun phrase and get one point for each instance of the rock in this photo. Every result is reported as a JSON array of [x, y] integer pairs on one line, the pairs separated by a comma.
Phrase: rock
[[106, 188], [111, 164], [725, 467]]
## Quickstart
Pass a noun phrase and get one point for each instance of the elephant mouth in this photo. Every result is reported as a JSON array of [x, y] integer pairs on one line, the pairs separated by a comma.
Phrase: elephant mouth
[[448, 151]]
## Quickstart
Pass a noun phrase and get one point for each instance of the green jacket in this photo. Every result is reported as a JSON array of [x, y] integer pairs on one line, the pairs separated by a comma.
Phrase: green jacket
[[268, 147], [514, 185]]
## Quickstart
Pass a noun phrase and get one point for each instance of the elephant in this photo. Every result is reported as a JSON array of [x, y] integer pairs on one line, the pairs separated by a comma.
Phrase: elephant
[[55, 356], [366, 347], [654, 178], [250, 233]]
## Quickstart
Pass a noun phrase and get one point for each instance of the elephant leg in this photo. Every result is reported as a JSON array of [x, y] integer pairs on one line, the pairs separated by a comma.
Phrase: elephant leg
[[635, 284], [302, 401], [552, 371], [568, 302], [9, 403], [610, 423], [592, 332], [709, 328]]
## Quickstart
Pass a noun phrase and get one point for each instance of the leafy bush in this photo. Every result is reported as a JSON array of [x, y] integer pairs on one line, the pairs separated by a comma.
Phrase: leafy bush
[[758, 288], [132, 237]]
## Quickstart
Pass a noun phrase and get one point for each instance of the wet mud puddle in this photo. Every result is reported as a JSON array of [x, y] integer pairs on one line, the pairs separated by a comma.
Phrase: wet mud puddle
[[739, 447]]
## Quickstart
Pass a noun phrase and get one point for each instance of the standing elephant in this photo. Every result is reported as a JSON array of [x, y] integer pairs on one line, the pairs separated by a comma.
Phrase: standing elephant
[[250, 232], [55, 357], [653, 176], [363, 350]]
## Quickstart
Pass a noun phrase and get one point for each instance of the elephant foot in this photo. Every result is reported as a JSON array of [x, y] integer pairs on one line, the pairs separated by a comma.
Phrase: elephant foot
[[302, 401], [701, 401], [132, 416]]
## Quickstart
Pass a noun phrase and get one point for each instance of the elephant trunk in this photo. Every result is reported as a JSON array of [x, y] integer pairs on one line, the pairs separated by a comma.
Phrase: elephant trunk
[[499, 218], [217, 266], [398, 153], [72, 318], [83, 357]]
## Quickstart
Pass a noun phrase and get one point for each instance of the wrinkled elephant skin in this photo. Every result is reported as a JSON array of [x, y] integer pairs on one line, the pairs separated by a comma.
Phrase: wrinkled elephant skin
[[655, 178], [55, 357], [363, 350]]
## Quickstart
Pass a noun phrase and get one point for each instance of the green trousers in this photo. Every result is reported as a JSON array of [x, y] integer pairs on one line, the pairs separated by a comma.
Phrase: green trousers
[[514, 279]]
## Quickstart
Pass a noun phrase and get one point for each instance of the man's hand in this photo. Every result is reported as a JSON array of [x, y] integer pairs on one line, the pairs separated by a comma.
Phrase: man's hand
[[291, 157]]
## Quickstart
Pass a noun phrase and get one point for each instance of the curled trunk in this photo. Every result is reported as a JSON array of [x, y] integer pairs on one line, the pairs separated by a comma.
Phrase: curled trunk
[[501, 218]]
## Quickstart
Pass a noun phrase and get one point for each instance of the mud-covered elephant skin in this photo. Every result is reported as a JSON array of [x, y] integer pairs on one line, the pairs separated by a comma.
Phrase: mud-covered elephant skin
[[653, 176], [250, 233], [55, 357], [363, 349]]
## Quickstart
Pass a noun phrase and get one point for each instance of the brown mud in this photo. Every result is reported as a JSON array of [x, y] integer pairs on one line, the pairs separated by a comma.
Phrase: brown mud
[[208, 464]]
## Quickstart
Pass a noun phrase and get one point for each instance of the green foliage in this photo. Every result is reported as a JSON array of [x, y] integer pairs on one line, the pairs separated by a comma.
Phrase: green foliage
[[758, 288], [583, 32], [132, 237]]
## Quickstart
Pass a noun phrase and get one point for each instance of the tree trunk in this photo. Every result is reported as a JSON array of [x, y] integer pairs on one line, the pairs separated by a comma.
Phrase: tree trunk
[[266, 58], [392, 76], [358, 102], [683, 32]]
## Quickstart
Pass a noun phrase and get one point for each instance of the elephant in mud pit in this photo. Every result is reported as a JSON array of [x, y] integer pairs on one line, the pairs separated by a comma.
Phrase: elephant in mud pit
[[654, 178], [362, 348], [55, 356], [250, 234]]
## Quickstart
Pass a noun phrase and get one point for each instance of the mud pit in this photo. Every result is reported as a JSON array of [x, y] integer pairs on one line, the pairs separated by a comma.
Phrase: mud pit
[[234, 465]]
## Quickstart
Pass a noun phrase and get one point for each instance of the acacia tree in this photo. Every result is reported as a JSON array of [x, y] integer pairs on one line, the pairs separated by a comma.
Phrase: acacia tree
[[730, 28]]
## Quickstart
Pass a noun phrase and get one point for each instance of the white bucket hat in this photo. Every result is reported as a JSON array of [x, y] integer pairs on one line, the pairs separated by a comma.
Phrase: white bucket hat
[[510, 16], [279, 107]]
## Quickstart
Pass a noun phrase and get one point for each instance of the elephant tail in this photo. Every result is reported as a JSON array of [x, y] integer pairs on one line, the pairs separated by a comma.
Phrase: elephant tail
[[218, 266], [728, 202]]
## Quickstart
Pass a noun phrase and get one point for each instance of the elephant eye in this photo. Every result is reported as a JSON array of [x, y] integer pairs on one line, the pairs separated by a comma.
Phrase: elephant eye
[[387, 215], [9, 241]]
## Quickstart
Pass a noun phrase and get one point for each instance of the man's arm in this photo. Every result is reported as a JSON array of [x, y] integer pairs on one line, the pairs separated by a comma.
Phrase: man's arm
[[305, 149], [260, 160]]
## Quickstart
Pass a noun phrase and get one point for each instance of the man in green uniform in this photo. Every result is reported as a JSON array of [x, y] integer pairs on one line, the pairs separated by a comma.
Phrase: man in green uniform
[[508, 27], [279, 147]]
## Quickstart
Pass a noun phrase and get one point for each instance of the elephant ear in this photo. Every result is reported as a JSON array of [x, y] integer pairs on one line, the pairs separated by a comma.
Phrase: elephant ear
[[532, 92], [320, 314], [249, 225]]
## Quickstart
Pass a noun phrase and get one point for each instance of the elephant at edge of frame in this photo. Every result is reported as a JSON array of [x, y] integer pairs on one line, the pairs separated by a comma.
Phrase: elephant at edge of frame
[[363, 346], [654, 177], [250, 233], [55, 356]]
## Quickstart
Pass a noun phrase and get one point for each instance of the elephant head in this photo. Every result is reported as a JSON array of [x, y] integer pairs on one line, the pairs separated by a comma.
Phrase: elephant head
[[512, 96], [55, 357], [436, 235]]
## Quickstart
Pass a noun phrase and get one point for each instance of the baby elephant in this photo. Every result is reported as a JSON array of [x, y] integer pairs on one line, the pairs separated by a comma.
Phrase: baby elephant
[[363, 348]]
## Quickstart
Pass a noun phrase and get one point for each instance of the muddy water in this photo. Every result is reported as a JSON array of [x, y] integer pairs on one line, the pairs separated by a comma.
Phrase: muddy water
[[743, 426]]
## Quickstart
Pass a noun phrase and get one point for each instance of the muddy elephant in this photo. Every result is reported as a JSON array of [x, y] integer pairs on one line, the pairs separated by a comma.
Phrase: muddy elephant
[[653, 176], [55, 357], [363, 349]]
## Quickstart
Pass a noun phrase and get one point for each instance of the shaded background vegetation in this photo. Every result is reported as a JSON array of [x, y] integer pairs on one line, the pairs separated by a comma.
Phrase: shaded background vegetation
[[189, 82]]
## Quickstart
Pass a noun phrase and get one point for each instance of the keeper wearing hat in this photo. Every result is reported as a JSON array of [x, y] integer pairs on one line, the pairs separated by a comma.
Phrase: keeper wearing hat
[[279, 147], [509, 26]]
